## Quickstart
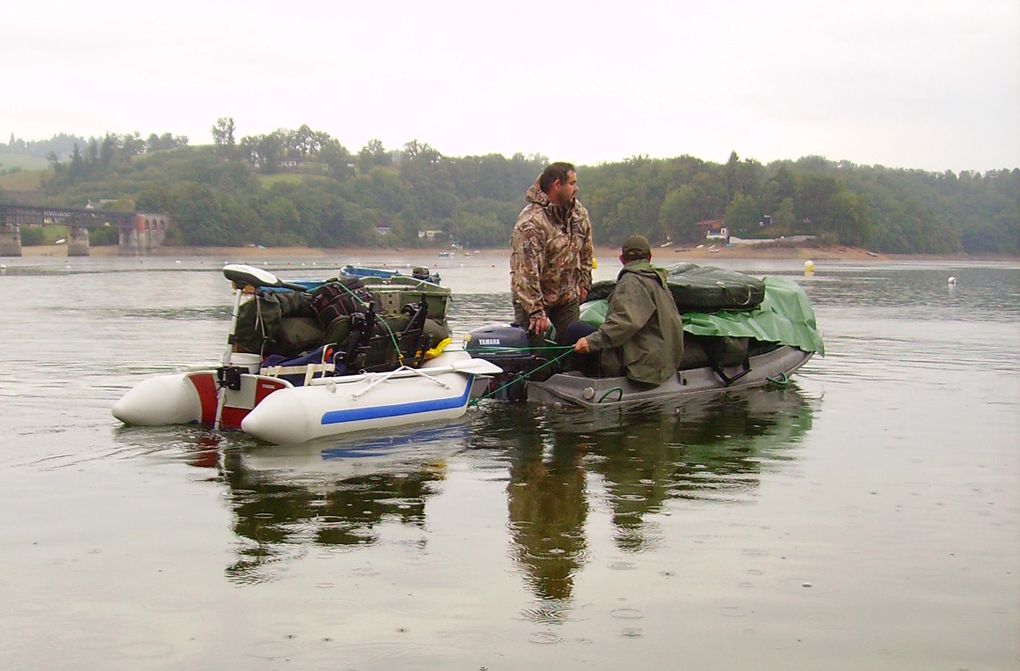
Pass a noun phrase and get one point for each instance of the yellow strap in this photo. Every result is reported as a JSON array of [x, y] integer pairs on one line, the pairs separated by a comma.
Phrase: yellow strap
[[438, 349]]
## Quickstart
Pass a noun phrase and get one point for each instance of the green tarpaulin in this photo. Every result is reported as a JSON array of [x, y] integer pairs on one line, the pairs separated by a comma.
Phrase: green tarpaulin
[[784, 316]]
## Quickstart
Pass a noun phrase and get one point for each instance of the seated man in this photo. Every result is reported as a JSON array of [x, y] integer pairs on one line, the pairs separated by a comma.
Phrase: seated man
[[642, 337]]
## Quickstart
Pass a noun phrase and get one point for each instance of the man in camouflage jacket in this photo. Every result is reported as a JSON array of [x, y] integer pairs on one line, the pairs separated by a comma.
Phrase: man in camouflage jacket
[[642, 336], [551, 253]]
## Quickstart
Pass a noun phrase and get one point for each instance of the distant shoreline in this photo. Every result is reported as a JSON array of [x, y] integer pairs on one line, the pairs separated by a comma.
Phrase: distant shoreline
[[661, 255]]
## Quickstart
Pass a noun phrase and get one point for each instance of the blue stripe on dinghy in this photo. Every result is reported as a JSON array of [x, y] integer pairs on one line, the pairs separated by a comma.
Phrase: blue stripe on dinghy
[[399, 409]]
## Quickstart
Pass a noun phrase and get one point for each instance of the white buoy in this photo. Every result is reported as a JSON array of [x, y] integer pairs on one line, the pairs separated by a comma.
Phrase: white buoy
[[809, 267], [952, 281], [3, 267]]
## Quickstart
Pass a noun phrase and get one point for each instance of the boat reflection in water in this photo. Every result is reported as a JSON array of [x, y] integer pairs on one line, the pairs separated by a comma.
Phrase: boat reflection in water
[[330, 493], [564, 464], [571, 475]]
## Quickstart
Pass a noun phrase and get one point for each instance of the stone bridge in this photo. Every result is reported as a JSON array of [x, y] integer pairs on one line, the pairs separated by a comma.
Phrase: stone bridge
[[138, 232]]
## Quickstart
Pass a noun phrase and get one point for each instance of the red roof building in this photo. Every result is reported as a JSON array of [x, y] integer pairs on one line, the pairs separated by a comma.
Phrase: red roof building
[[715, 229]]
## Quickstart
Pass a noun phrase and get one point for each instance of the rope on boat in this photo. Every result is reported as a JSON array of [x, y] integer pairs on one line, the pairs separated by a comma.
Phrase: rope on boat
[[569, 350], [610, 391], [781, 380], [498, 350]]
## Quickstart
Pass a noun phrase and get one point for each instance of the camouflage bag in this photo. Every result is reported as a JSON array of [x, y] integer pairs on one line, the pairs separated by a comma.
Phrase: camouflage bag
[[339, 298]]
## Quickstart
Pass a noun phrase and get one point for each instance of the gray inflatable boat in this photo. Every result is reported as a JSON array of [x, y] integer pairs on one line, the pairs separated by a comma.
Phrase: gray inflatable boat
[[723, 350]]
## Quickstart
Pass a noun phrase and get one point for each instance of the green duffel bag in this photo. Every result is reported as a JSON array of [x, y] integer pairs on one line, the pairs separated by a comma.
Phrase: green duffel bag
[[259, 319], [297, 335], [724, 350], [257, 322], [694, 353]]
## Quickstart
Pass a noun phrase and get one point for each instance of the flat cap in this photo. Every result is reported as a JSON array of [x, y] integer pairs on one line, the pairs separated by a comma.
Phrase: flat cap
[[636, 247]]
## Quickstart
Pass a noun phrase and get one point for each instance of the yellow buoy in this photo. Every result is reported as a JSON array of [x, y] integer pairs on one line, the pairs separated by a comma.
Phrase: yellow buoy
[[809, 267]]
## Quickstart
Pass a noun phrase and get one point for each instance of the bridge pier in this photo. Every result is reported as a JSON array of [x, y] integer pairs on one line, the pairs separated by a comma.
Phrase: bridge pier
[[147, 233], [10, 240], [127, 242], [78, 242]]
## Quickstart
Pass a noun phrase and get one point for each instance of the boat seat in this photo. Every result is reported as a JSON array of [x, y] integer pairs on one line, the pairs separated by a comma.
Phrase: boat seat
[[299, 371]]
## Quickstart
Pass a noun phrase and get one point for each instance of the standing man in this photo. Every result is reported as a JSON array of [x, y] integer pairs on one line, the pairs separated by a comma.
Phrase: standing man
[[642, 336], [551, 253]]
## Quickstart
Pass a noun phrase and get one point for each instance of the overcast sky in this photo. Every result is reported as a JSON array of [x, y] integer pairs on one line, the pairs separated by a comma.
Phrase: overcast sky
[[932, 85]]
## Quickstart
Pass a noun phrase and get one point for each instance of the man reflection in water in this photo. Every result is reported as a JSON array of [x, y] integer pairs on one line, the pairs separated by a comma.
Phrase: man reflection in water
[[548, 507], [642, 336]]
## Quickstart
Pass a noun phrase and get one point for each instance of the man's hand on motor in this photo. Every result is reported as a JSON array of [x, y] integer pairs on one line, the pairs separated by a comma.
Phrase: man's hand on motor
[[539, 324]]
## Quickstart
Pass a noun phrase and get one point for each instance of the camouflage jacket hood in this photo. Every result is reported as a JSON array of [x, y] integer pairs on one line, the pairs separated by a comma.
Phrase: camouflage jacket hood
[[536, 196]]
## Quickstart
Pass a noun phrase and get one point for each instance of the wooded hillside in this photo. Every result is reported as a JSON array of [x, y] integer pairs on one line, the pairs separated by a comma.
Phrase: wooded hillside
[[295, 187]]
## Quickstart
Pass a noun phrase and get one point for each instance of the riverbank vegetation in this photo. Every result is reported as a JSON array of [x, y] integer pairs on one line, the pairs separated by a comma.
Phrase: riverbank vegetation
[[303, 187]]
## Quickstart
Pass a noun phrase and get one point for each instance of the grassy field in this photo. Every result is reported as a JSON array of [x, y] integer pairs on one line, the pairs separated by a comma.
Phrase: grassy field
[[23, 161], [43, 235], [286, 178], [26, 180]]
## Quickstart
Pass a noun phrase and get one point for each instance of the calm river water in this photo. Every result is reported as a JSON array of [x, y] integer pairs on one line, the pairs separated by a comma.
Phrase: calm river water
[[867, 517]]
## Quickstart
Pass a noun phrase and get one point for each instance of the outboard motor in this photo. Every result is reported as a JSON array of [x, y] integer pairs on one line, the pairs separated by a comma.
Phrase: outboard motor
[[423, 273], [505, 345]]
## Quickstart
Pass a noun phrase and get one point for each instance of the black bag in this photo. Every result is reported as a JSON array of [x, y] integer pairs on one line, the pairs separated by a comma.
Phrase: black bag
[[709, 289], [701, 289]]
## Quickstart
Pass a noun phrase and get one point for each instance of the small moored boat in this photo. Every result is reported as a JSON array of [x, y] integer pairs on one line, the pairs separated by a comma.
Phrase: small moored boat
[[366, 380], [739, 332]]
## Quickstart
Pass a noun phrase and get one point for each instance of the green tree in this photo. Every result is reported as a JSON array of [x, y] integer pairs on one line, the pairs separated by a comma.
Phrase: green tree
[[336, 158], [223, 135], [283, 219], [107, 150], [200, 214], [267, 151], [682, 208], [32, 236], [92, 158], [372, 155], [846, 218], [133, 144], [784, 218], [814, 194], [782, 185], [477, 230], [421, 152], [742, 215], [77, 168]]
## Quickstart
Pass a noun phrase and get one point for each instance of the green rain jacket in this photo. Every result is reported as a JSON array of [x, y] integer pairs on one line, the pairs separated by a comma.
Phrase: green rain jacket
[[642, 336]]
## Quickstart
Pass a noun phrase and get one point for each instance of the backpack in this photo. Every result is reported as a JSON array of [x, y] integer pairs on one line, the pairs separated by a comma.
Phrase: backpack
[[339, 298]]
